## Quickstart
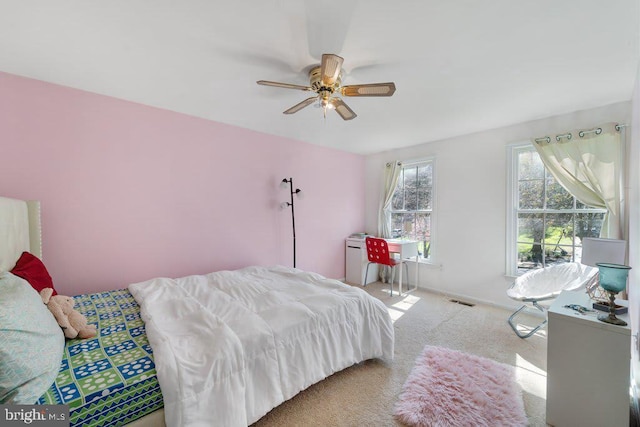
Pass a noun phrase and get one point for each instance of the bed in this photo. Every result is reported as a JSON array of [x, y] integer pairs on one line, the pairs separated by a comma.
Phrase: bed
[[167, 348], [109, 379]]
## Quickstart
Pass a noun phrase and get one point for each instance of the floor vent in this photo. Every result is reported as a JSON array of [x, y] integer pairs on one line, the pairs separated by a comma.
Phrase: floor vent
[[468, 304]]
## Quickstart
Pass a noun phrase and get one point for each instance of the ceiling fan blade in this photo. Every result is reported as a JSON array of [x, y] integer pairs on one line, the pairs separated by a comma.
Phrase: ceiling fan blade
[[284, 85], [373, 89], [330, 68], [299, 106], [343, 109]]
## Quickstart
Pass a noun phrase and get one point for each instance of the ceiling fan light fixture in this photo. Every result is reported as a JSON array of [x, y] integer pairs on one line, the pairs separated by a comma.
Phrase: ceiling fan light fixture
[[326, 104]]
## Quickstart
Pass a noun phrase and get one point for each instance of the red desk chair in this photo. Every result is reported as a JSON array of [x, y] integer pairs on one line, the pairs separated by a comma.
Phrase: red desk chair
[[378, 253]]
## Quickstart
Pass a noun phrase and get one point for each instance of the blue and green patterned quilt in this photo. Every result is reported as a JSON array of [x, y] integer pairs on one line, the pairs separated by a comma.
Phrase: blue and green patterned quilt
[[108, 380]]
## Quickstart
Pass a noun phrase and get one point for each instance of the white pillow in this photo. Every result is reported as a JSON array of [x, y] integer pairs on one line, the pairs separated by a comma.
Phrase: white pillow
[[31, 342]]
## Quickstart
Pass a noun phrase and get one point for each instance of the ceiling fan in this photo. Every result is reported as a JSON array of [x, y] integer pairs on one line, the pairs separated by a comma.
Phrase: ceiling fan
[[326, 81]]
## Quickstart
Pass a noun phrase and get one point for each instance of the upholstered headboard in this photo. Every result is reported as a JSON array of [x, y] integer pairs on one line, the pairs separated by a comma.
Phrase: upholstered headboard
[[20, 230]]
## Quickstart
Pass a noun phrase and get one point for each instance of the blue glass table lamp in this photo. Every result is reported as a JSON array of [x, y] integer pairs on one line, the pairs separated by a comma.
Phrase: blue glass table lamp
[[613, 279]]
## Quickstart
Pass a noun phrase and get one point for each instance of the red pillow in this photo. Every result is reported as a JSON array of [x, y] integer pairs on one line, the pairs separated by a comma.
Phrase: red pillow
[[31, 269]]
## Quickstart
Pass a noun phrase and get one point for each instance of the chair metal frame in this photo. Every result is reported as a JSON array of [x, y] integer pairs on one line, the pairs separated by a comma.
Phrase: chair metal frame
[[535, 329]]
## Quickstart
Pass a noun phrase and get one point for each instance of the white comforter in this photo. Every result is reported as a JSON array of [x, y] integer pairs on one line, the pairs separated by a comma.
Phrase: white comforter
[[230, 346]]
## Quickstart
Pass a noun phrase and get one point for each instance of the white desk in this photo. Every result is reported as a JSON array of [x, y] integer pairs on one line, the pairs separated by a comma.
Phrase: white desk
[[406, 249], [356, 260]]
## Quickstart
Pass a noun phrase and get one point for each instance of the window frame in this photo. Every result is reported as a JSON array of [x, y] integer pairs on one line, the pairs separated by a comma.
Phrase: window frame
[[414, 163], [513, 208]]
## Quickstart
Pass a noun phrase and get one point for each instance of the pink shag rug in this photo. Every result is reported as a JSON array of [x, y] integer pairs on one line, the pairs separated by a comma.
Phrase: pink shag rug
[[451, 388]]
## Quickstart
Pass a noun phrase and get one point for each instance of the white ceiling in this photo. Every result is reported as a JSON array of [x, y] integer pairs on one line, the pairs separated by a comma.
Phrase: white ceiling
[[459, 66]]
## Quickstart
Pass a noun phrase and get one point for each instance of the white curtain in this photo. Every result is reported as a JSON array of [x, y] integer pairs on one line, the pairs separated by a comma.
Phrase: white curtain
[[588, 163], [391, 173]]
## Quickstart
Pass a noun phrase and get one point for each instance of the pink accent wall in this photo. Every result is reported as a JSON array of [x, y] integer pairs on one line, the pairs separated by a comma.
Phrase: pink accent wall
[[131, 192]]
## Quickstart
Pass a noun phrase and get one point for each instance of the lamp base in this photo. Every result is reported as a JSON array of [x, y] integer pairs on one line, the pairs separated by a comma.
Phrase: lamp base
[[611, 318]]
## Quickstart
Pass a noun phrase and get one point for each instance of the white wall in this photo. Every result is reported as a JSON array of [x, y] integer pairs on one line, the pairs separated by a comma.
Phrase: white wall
[[471, 193]]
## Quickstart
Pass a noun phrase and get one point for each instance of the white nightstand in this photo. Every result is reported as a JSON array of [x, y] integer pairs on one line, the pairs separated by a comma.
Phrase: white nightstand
[[587, 366]]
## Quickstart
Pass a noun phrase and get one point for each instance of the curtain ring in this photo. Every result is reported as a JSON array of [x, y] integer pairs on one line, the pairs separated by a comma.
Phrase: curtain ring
[[597, 131], [566, 135]]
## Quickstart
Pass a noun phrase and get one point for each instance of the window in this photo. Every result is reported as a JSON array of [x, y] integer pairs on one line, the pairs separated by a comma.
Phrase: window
[[412, 206], [546, 223]]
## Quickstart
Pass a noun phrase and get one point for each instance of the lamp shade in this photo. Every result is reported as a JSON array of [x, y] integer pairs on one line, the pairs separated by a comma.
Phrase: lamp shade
[[595, 250]]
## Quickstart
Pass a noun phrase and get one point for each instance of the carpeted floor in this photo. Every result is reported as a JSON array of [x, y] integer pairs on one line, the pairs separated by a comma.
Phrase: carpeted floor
[[365, 394]]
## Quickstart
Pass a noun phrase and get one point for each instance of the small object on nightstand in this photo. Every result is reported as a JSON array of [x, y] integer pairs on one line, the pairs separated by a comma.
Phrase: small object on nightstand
[[579, 308], [604, 306]]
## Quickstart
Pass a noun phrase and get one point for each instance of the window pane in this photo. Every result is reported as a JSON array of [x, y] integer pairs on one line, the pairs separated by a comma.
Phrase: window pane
[[529, 255], [530, 228], [557, 196], [588, 224], [529, 165], [396, 225], [559, 229], [558, 237], [558, 254], [410, 189], [422, 233], [530, 236], [531, 194], [425, 182]]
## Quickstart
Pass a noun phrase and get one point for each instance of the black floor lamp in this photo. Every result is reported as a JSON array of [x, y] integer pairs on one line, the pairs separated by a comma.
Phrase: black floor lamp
[[284, 184]]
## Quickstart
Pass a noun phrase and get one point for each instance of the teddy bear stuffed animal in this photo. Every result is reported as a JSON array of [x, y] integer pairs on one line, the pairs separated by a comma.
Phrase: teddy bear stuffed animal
[[72, 322]]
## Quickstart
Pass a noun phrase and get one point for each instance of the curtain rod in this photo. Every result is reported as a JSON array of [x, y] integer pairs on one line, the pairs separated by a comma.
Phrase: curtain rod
[[582, 133]]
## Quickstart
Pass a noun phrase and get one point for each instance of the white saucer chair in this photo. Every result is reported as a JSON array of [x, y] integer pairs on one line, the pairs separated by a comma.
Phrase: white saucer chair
[[546, 284]]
